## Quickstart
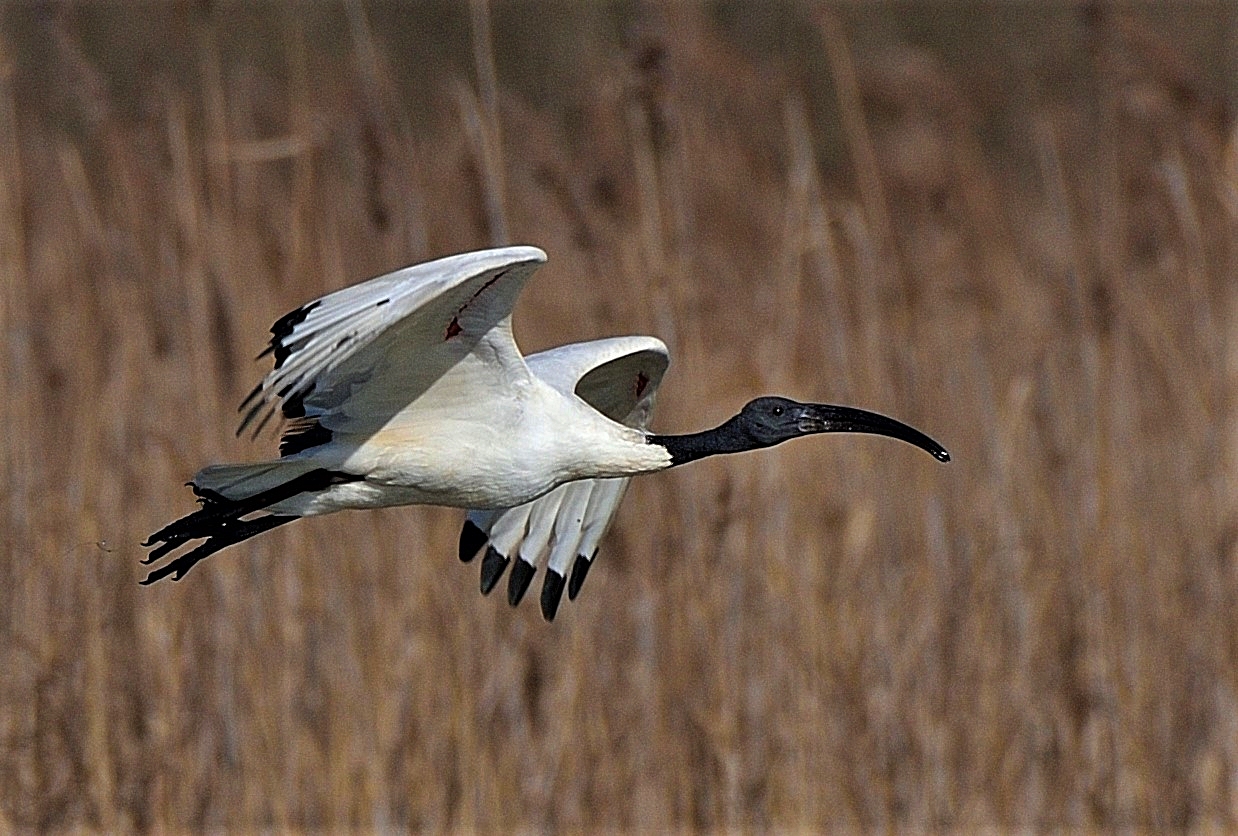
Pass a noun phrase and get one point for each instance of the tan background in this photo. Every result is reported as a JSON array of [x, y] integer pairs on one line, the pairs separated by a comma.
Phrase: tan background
[[1013, 228]]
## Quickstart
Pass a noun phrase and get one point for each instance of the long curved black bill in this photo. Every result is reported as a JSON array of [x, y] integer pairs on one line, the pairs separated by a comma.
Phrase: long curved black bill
[[827, 418]]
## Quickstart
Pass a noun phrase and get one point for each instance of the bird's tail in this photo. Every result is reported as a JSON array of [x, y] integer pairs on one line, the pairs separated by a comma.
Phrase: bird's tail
[[241, 481], [229, 493]]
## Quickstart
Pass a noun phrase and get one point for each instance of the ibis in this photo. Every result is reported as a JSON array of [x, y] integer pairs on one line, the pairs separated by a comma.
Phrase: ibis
[[408, 389]]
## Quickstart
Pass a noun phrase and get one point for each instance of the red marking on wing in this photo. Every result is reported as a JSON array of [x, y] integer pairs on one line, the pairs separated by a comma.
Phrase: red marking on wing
[[642, 381], [453, 327]]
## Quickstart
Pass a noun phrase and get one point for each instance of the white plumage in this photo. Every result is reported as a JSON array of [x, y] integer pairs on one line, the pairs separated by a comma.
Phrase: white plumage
[[420, 384], [409, 389]]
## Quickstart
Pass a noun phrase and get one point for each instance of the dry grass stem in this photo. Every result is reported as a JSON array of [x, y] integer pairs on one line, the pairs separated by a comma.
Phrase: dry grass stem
[[1015, 231]]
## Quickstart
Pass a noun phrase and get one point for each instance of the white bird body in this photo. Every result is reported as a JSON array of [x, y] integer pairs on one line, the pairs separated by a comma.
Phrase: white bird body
[[482, 452], [409, 389]]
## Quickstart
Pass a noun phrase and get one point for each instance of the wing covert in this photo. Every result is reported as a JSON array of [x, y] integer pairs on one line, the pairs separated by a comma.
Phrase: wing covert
[[619, 376], [335, 353]]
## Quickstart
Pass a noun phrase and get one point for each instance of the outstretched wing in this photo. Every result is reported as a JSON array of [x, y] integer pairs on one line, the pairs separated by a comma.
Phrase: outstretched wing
[[352, 359], [618, 377]]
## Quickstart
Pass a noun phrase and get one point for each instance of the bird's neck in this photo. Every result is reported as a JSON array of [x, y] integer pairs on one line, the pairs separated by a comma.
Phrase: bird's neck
[[727, 438]]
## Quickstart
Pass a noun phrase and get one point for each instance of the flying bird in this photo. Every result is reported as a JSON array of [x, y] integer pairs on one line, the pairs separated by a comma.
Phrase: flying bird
[[408, 389]]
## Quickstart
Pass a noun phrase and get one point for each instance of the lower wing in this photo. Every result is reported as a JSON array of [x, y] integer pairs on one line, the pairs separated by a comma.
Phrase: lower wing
[[557, 529]]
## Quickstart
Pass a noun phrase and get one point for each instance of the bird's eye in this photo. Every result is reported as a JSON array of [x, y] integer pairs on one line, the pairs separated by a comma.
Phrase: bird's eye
[[778, 410]]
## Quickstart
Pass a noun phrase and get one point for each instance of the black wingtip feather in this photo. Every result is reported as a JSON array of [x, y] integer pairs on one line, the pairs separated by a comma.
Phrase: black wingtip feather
[[266, 419], [472, 538], [284, 328], [492, 566], [552, 592], [579, 569], [522, 574], [249, 417], [251, 397]]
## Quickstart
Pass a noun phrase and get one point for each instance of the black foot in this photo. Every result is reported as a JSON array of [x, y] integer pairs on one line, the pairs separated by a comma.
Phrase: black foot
[[228, 534]]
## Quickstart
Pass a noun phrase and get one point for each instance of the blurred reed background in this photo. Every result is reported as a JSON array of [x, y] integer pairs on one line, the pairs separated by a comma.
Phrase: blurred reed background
[[1011, 225]]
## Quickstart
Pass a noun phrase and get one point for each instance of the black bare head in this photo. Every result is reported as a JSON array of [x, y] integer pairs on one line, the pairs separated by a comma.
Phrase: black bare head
[[767, 421], [771, 420]]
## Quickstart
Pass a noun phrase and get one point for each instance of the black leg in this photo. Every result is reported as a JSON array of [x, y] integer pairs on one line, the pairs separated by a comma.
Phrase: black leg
[[229, 534], [217, 509], [219, 521]]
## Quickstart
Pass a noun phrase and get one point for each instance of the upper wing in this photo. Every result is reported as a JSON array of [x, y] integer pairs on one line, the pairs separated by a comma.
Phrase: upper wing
[[619, 377], [355, 357]]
